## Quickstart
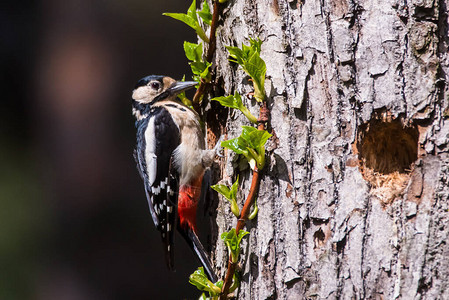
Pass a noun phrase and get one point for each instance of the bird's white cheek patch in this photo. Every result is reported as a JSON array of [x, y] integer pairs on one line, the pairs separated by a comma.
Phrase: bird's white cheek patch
[[139, 93], [143, 94]]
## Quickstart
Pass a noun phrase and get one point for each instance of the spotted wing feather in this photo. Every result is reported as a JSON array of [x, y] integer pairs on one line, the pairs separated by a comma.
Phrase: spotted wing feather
[[157, 138]]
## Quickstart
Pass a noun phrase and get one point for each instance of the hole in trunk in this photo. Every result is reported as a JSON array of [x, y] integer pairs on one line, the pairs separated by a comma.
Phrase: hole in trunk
[[387, 149]]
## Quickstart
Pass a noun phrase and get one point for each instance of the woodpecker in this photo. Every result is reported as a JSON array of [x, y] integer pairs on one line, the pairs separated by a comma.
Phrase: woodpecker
[[171, 159]]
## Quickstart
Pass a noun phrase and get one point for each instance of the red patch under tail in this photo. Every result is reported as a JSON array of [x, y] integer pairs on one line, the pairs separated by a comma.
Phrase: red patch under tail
[[189, 195]]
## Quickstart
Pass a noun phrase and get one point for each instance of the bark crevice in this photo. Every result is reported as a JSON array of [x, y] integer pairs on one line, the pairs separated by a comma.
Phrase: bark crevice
[[321, 232]]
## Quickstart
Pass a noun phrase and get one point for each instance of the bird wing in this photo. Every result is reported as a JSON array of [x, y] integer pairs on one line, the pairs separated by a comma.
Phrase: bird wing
[[157, 138]]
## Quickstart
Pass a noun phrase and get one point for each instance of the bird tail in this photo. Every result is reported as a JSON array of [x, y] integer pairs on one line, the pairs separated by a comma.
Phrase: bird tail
[[195, 243]]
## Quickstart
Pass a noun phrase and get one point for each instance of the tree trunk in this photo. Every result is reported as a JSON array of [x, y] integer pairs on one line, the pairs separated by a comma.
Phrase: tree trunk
[[353, 202]]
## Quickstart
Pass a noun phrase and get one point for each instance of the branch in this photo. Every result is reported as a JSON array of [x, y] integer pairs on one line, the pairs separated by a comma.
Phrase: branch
[[210, 53], [263, 118]]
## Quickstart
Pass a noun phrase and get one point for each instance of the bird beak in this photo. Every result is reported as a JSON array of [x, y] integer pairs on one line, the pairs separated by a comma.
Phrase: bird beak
[[180, 86]]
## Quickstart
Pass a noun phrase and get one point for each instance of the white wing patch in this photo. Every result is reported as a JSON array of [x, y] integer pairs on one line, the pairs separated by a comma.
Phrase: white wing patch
[[164, 183], [150, 151]]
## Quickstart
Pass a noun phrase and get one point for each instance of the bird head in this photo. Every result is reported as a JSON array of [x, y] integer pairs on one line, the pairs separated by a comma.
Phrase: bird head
[[155, 88]]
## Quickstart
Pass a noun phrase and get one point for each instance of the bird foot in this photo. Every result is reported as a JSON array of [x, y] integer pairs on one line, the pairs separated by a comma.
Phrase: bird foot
[[218, 148]]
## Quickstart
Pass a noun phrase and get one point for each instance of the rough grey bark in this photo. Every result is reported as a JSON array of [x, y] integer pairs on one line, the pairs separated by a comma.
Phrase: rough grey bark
[[339, 219]]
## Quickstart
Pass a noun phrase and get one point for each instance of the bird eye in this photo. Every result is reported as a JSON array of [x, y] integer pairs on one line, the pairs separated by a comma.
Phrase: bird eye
[[155, 85]]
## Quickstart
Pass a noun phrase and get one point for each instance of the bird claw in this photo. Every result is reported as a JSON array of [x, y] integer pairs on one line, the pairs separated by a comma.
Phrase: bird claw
[[218, 149]]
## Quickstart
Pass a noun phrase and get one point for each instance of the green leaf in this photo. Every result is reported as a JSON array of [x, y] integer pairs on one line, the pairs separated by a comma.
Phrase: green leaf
[[251, 144], [219, 283], [248, 57], [235, 282], [235, 101], [194, 52], [223, 190], [183, 18], [201, 34], [238, 145], [234, 188], [241, 235], [254, 137], [237, 54], [231, 101], [191, 12], [254, 140], [256, 68], [253, 214], [191, 20], [230, 195], [233, 195], [200, 280], [232, 241], [246, 131], [235, 208], [205, 14], [206, 72], [256, 44], [198, 67], [201, 71]]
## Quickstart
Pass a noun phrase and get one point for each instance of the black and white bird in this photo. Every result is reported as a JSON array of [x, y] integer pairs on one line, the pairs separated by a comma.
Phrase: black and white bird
[[171, 159]]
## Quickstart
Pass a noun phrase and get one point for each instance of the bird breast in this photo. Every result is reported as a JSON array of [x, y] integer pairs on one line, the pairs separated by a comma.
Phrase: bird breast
[[188, 155]]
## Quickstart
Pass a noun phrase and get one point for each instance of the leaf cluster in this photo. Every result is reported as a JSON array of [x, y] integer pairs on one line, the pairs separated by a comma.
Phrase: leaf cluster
[[194, 52], [232, 241], [191, 18], [200, 280], [251, 144], [248, 57], [200, 68]]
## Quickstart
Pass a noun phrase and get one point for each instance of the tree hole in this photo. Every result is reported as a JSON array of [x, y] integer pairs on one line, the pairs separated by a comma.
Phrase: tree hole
[[387, 151]]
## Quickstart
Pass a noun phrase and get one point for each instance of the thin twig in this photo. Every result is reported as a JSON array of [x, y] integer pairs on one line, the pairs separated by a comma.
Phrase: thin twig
[[210, 53], [263, 118]]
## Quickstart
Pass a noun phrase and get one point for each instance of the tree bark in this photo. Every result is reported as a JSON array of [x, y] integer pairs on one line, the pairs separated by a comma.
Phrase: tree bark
[[353, 202]]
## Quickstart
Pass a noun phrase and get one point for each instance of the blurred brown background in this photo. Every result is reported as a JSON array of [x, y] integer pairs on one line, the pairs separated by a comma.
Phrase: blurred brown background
[[74, 221]]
